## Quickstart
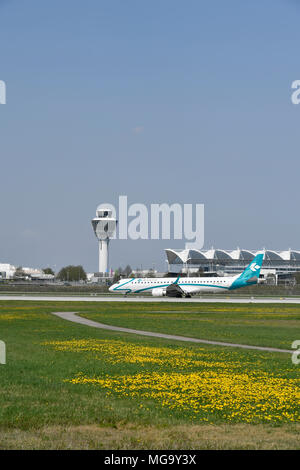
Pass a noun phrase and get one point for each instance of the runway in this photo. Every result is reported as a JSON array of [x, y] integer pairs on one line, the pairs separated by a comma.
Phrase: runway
[[118, 298], [71, 316]]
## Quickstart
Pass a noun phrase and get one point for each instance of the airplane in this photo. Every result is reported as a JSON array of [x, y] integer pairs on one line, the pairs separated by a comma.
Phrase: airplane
[[188, 286]]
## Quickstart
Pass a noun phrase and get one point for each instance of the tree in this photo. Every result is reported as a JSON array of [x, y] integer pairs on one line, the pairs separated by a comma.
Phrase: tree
[[127, 271], [48, 271], [72, 273], [297, 277], [19, 273], [116, 277], [150, 273]]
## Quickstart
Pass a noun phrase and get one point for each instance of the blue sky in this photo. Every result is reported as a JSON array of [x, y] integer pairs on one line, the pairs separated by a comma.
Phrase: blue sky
[[207, 83]]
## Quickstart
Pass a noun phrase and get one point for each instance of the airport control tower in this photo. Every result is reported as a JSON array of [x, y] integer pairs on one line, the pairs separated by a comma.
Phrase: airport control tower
[[104, 225]]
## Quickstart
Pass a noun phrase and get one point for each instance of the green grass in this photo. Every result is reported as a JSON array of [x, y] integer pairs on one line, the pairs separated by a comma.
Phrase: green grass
[[35, 388], [261, 325]]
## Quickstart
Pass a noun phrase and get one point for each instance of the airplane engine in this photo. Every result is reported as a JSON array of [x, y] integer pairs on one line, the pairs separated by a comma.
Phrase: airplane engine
[[158, 292]]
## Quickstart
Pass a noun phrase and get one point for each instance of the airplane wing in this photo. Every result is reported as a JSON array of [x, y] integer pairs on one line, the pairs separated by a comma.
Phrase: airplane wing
[[174, 290]]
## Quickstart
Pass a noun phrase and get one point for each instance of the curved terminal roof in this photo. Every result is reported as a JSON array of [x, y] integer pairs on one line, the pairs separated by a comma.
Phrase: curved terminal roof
[[176, 256], [217, 255], [271, 255], [242, 254], [193, 256], [290, 255]]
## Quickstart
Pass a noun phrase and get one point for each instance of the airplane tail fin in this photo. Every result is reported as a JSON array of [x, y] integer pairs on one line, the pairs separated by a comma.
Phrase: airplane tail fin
[[251, 274], [252, 271]]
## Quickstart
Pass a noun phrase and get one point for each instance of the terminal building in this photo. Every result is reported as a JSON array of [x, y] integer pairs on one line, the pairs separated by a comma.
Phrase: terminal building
[[278, 266], [7, 271]]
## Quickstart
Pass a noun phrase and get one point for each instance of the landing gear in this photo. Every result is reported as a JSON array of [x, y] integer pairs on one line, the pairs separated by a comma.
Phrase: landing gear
[[188, 296]]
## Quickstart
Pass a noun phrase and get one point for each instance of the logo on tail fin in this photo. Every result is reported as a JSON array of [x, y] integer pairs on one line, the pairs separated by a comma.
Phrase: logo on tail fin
[[254, 267]]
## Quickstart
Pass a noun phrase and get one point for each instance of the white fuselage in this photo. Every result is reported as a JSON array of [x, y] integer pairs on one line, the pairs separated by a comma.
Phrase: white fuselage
[[189, 285]]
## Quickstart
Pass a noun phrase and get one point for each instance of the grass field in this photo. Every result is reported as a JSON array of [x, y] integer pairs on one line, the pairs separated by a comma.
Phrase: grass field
[[262, 325], [71, 386]]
